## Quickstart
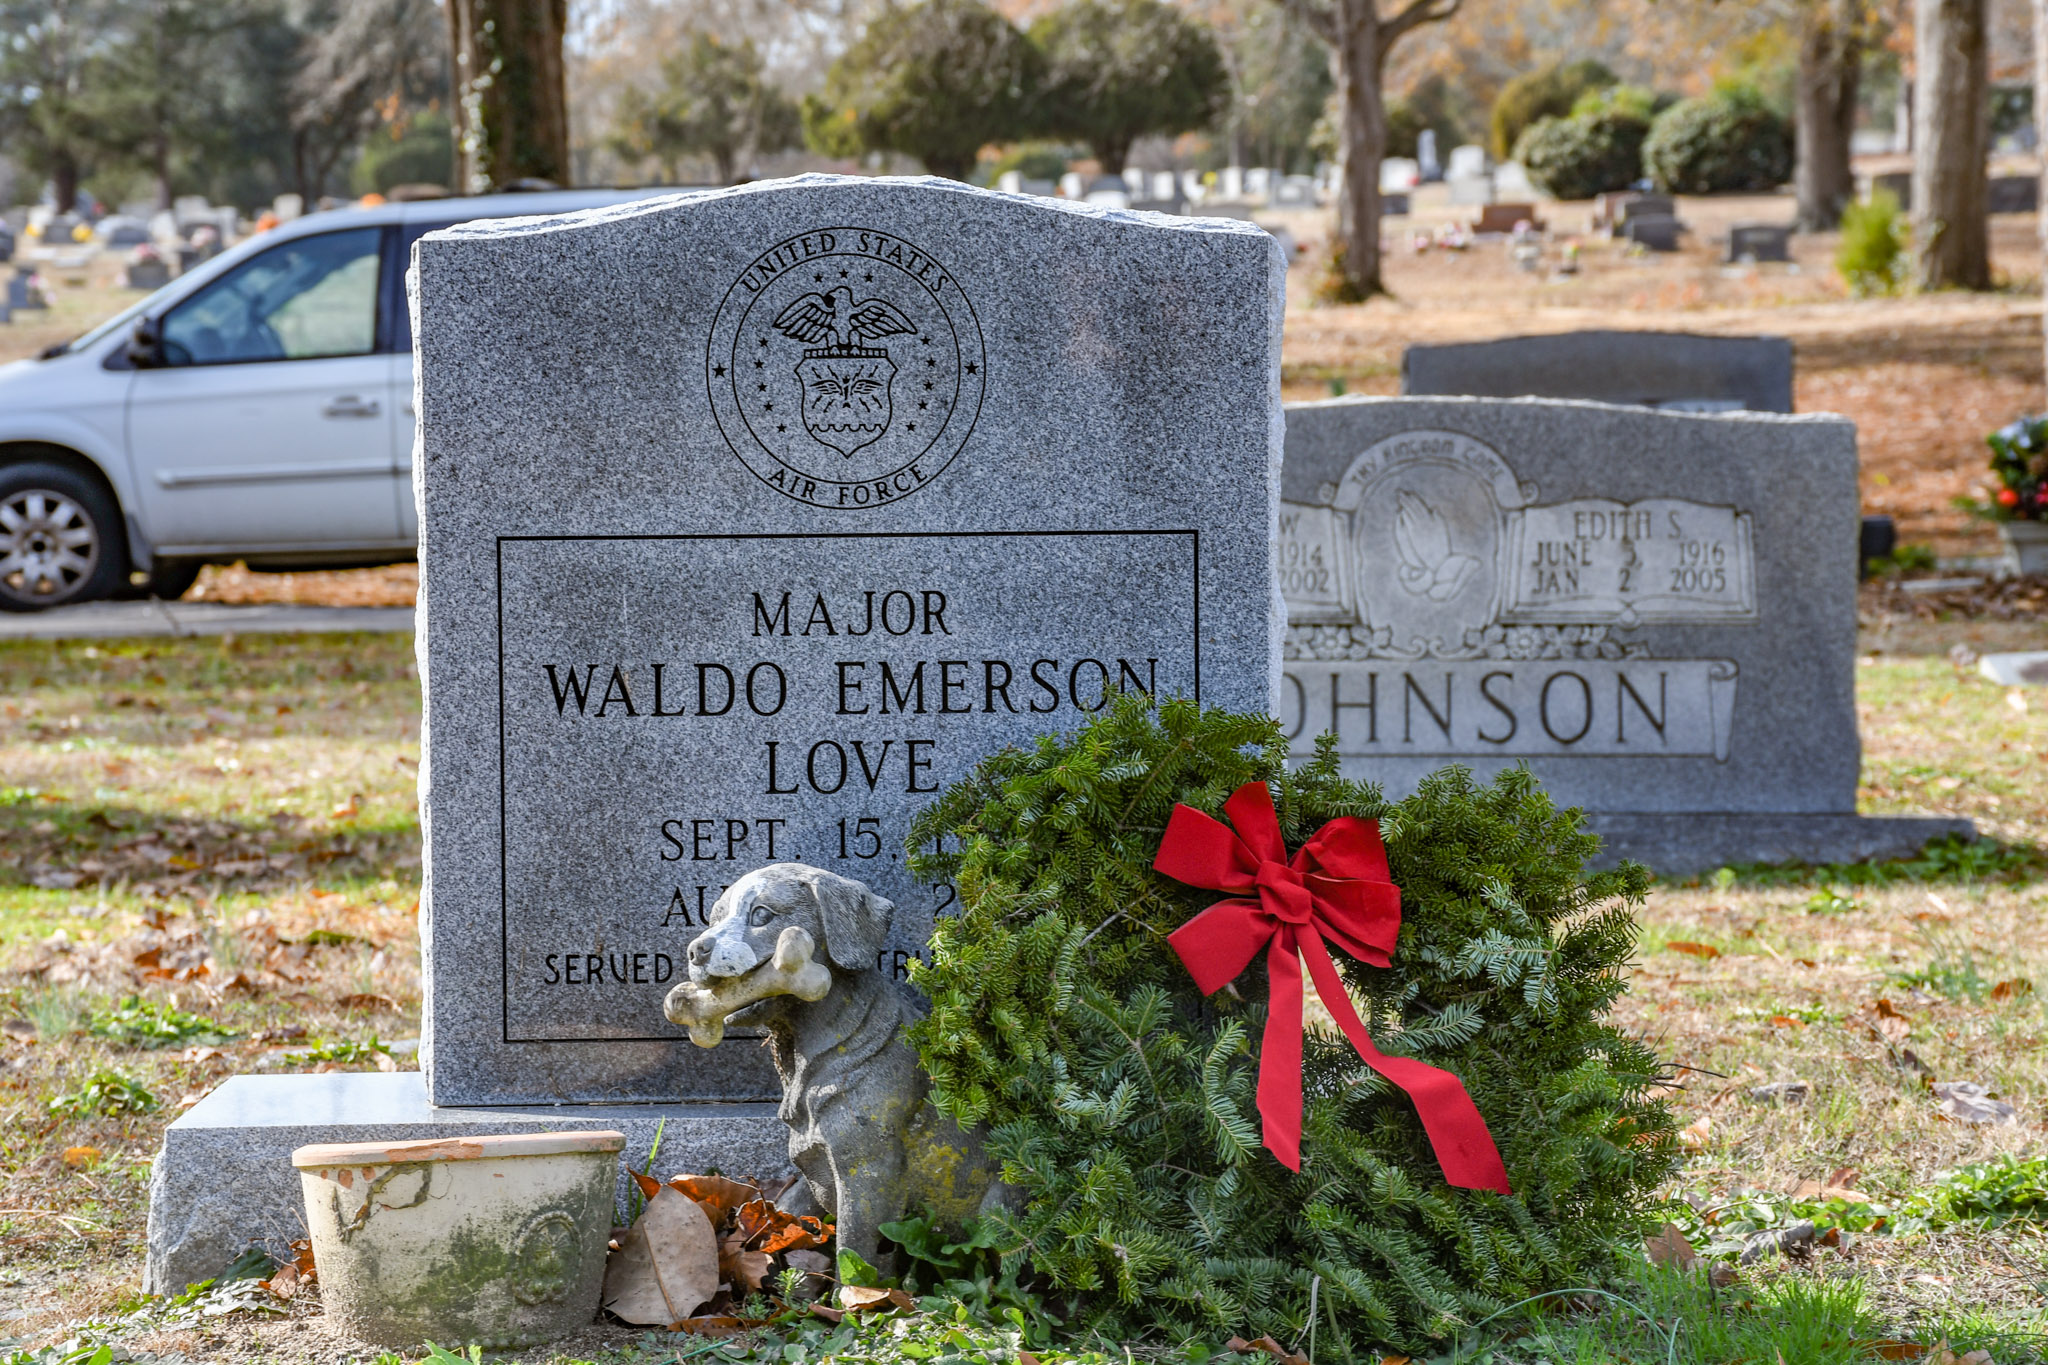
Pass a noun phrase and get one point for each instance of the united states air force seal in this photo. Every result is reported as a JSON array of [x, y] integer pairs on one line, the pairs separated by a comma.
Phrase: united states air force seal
[[846, 367]]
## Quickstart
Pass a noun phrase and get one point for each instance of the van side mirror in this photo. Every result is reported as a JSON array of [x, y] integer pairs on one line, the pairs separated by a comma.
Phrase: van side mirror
[[146, 344]]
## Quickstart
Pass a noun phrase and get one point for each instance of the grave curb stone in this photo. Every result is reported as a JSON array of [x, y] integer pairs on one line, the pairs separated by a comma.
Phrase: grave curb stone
[[224, 1181]]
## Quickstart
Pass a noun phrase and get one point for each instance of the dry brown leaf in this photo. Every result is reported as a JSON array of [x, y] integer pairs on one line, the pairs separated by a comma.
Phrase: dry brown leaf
[[1886, 1010], [78, 1158], [719, 1195], [717, 1325], [666, 1264], [1894, 1350], [364, 1001], [859, 1298], [285, 1283], [1815, 1190], [764, 1227], [1266, 1346], [739, 1266], [302, 1259], [201, 1054], [1845, 1176], [1026, 1358], [2013, 989], [1695, 1135], [1806, 962], [838, 1315], [1705, 950], [21, 1030], [1668, 1247]]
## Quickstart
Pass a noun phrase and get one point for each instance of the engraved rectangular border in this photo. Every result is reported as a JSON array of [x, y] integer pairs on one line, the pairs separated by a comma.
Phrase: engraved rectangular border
[[504, 878]]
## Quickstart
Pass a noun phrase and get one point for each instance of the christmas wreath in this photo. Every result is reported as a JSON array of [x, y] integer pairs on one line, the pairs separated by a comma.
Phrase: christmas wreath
[[1127, 1104]]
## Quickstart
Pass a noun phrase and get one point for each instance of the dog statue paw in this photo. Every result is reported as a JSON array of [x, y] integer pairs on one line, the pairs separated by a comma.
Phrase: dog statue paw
[[792, 949]]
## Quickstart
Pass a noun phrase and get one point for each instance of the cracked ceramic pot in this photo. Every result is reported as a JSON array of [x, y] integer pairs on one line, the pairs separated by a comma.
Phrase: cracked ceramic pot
[[497, 1241]]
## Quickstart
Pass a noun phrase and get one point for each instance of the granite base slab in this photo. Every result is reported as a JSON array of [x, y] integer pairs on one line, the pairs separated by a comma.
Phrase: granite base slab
[[1690, 843], [224, 1180]]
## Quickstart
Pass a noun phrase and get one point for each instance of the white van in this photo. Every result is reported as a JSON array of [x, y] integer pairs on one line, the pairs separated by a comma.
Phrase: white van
[[257, 408]]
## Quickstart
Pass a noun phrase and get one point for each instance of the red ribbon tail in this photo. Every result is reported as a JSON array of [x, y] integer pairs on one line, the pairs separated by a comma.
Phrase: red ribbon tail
[[1280, 1052], [1457, 1132]]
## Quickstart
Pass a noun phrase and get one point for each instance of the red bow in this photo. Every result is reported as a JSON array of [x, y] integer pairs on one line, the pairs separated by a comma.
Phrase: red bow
[[1337, 887]]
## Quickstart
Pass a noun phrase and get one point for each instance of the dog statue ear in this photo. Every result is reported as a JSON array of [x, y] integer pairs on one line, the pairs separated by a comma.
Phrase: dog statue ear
[[855, 919]]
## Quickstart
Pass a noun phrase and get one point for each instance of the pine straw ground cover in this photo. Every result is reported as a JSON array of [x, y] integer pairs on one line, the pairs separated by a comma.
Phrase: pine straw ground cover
[[246, 807]]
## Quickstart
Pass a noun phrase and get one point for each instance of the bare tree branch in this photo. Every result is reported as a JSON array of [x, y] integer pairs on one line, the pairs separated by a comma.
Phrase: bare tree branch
[[1415, 14]]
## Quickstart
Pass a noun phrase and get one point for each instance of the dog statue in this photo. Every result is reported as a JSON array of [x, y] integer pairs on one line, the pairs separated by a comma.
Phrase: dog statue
[[868, 1142]]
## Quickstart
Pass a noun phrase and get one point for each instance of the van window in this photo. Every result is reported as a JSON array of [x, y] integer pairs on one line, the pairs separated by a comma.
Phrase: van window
[[301, 300]]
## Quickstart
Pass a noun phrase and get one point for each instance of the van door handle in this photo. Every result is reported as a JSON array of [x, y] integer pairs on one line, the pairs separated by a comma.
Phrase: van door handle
[[350, 405]]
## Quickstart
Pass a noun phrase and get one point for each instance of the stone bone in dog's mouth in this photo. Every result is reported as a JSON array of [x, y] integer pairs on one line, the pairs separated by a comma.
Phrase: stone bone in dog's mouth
[[711, 995]]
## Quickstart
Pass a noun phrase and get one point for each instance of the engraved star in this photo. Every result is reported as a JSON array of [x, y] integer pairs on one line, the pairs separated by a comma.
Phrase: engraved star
[[770, 407], [819, 276], [869, 277], [842, 274], [926, 340], [927, 383], [972, 368], [911, 425], [764, 341], [718, 371], [757, 364], [922, 404], [780, 427], [929, 361], [762, 387]]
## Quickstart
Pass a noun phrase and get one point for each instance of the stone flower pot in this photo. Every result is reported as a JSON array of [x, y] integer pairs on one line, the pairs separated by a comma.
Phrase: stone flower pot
[[498, 1241], [2026, 546]]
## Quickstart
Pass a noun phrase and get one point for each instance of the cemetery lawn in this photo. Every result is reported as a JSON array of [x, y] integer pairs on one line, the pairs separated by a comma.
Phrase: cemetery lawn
[[224, 833]]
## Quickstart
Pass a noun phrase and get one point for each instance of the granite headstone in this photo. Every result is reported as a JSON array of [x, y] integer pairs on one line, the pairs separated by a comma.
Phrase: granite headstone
[[1654, 369], [1654, 611], [752, 519]]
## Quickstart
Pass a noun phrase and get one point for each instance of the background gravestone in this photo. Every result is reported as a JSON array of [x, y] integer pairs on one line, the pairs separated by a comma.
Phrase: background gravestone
[[1652, 369], [1654, 611], [752, 519]]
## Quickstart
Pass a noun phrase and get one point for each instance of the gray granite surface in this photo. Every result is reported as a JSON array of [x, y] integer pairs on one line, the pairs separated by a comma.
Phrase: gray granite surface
[[1696, 843], [1656, 612], [224, 1180], [2028, 667], [750, 520], [1652, 369]]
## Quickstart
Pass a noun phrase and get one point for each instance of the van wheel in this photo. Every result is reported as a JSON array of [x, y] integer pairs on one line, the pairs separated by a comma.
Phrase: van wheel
[[60, 538]]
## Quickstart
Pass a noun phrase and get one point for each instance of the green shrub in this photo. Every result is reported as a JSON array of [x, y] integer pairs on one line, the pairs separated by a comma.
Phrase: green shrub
[[1872, 257], [1122, 1104], [1727, 141], [421, 153], [1639, 100], [1548, 93], [1584, 155]]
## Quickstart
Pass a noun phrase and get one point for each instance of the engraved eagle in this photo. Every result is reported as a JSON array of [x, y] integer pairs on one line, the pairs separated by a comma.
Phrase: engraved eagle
[[1429, 567], [812, 318]]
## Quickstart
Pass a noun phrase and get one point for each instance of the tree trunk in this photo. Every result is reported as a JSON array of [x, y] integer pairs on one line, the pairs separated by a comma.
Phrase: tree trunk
[[1357, 58], [1113, 155], [2041, 147], [64, 180], [510, 107], [1830, 53], [1951, 138]]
